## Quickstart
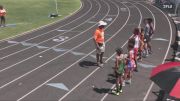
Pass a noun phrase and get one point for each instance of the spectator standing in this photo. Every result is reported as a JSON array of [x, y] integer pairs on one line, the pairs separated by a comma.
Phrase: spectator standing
[[99, 42], [2, 16]]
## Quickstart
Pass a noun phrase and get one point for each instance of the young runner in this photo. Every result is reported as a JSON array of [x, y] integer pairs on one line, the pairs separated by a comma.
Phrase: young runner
[[119, 70], [141, 48], [130, 63], [99, 42], [2, 16], [147, 37], [136, 37], [151, 33]]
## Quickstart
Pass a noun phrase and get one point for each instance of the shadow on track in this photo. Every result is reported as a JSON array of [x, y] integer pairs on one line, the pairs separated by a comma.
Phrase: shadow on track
[[101, 90], [111, 78], [87, 64]]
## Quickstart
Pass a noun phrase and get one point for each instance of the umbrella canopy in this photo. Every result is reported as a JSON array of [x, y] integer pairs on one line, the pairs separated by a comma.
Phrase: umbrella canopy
[[167, 76], [175, 92]]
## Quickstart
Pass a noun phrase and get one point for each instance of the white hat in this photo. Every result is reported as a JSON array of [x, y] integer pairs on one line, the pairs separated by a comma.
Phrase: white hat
[[102, 23]]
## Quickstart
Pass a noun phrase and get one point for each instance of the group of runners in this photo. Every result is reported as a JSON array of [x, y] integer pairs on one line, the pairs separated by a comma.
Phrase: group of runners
[[125, 64]]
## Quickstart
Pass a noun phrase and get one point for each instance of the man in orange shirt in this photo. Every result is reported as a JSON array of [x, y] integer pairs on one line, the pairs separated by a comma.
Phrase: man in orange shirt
[[2, 16], [99, 42]]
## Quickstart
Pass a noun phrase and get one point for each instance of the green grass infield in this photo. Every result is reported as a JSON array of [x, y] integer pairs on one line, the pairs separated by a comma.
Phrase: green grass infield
[[26, 15]]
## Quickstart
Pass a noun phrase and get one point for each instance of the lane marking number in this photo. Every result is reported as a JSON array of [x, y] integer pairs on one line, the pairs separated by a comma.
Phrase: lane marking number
[[60, 39]]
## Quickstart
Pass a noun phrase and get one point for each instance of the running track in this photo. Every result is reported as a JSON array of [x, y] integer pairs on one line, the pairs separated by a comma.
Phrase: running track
[[64, 52]]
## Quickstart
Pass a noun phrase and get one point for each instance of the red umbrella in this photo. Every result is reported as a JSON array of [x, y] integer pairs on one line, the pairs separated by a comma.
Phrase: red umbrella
[[175, 92], [167, 77]]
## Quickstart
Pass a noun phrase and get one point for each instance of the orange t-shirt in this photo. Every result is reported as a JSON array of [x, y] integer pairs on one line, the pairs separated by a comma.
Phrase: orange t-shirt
[[2, 12], [99, 35]]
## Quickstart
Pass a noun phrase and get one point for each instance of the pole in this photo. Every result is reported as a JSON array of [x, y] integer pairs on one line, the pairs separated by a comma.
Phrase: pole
[[56, 6]]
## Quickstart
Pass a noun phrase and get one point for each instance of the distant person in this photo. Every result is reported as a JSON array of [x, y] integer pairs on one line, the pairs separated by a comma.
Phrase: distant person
[[2, 16], [130, 63], [135, 42], [119, 69], [136, 36], [141, 48], [151, 27], [99, 42], [148, 34]]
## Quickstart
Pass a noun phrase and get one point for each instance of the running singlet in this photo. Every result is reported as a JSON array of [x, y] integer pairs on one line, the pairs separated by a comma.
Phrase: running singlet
[[147, 30], [121, 65], [2, 12], [131, 59], [99, 35], [137, 40]]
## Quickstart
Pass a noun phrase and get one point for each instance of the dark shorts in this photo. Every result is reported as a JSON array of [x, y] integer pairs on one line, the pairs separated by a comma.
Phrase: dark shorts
[[118, 74], [147, 39], [2, 17]]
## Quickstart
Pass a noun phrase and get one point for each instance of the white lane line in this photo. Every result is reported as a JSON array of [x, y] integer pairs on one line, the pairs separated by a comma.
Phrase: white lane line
[[140, 21], [160, 39], [66, 67], [177, 58], [146, 65], [154, 28], [46, 49], [151, 86], [52, 37], [151, 14], [60, 30], [98, 67], [42, 65], [176, 22], [54, 49], [141, 18], [41, 27], [52, 59], [13, 42]]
